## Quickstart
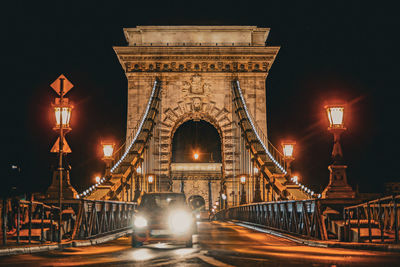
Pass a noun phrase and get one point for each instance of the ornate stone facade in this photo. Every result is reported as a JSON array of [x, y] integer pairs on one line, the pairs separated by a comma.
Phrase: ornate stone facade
[[196, 66]]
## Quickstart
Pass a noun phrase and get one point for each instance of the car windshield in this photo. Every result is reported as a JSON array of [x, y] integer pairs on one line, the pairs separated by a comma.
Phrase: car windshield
[[161, 201]]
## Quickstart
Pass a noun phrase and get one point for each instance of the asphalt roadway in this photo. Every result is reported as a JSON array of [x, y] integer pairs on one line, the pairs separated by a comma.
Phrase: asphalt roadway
[[218, 244]]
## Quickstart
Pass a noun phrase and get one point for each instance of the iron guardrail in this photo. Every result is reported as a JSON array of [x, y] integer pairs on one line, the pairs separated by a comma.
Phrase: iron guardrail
[[19, 218], [302, 217], [381, 214], [25, 221], [97, 217]]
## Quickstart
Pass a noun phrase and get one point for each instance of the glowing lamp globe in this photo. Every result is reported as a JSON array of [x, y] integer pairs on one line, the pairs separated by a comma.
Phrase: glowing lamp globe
[[97, 179], [288, 148], [150, 179], [62, 113], [138, 170], [335, 115], [108, 149], [243, 179], [196, 156]]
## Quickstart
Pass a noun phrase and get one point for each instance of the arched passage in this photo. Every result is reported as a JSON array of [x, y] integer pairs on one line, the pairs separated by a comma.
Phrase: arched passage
[[196, 137]]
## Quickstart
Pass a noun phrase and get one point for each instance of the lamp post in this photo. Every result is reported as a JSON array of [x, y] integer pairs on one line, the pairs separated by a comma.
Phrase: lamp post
[[138, 173], [108, 156], [242, 180], [257, 191], [62, 112], [288, 149], [150, 181], [338, 186]]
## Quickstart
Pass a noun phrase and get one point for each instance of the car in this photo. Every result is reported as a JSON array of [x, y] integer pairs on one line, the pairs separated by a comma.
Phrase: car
[[163, 217], [197, 204]]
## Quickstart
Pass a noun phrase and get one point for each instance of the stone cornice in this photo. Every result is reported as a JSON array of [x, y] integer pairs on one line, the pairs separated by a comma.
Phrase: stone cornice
[[193, 50], [195, 59]]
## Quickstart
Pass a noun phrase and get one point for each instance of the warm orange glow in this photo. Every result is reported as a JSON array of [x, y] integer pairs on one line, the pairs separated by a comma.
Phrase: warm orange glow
[[335, 115], [62, 112], [196, 156], [108, 149], [288, 148], [97, 179], [242, 179], [150, 179]]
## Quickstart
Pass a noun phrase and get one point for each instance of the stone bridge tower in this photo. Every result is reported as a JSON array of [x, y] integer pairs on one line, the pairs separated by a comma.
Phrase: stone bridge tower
[[196, 65]]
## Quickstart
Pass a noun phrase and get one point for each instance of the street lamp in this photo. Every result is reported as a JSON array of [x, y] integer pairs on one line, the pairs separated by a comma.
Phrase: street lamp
[[150, 181], [196, 156], [257, 191], [242, 180], [138, 174], [62, 113], [108, 158], [108, 149], [288, 149], [338, 186], [97, 178]]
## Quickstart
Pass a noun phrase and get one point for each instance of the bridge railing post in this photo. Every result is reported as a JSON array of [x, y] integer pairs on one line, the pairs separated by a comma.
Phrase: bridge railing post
[[18, 222], [42, 223], [30, 222], [396, 220]]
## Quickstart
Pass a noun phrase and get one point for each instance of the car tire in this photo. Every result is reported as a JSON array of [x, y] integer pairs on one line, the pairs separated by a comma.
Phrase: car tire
[[135, 243], [189, 242]]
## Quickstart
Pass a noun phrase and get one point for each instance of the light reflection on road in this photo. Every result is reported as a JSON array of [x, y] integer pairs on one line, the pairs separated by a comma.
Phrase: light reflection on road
[[218, 244], [142, 254]]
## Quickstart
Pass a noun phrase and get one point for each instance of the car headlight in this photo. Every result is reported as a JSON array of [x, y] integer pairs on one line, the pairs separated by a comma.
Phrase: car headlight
[[180, 221], [140, 222]]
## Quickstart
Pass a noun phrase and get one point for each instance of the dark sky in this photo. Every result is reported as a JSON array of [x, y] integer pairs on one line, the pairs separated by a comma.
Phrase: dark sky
[[329, 49]]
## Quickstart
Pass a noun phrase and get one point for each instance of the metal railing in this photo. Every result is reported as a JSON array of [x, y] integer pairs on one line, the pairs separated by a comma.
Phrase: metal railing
[[102, 217], [375, 221], [301, 217], [28, 220]]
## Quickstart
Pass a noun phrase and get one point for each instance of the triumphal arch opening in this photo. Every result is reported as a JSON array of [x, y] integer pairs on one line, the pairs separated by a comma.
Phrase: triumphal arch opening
[[196, 66]]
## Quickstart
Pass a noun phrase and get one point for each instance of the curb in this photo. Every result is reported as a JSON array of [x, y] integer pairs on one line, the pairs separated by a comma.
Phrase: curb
[[78, 243], [315, 243]]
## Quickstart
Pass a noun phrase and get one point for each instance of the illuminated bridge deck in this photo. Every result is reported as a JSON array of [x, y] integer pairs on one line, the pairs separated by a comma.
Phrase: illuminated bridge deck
[[218, 244]]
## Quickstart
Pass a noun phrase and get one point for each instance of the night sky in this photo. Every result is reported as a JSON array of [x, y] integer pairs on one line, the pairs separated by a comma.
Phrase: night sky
[[329, 50]]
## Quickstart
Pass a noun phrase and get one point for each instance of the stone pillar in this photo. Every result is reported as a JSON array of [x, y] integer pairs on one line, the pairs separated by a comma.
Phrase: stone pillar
[[338, 186], [68, 192]]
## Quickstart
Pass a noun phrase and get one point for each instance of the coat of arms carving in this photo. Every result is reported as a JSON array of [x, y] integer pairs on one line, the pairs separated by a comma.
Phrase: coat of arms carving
[[196, 85]]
